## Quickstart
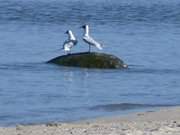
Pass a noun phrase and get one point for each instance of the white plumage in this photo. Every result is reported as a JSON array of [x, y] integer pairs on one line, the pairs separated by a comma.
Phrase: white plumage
[[68, 44], [88, 39]]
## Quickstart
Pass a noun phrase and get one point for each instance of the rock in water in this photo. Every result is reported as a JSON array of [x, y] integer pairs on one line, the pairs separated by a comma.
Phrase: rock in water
[[89, 60]]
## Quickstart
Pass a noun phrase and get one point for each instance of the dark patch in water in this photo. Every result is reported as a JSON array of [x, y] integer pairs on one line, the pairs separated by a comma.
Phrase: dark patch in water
[[124, 106]]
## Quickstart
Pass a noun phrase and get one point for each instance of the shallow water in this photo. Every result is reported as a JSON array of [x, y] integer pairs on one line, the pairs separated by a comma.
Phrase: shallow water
[[144, 34]]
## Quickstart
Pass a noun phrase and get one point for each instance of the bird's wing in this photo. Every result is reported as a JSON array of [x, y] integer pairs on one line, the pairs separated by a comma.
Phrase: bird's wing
[[74, 42], [91, 41], [68, 45]]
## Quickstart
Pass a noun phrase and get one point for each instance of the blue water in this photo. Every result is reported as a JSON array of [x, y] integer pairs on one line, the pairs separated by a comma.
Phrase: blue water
[[145, 34]]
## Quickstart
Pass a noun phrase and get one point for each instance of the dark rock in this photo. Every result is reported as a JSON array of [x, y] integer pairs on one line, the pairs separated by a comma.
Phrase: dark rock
[[89, 60]]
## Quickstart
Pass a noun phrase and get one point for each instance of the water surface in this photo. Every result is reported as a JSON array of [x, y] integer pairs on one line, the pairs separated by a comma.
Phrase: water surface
[[145, 34]]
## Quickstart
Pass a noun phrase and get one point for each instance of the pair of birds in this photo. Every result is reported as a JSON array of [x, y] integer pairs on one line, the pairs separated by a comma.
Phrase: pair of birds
[[72, 41]]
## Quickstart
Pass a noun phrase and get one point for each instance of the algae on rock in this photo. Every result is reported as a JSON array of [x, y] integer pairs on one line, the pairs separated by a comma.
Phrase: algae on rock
[[89, 60]]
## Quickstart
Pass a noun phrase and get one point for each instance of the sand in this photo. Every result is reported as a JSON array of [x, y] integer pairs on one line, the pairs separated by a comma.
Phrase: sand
[[165, 121]]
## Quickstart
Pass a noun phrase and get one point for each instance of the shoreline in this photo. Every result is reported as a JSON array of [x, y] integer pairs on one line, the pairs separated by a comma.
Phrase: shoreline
[[163, 121]]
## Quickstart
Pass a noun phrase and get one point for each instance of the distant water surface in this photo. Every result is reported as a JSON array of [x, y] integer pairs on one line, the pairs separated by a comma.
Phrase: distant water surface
[[145, 34]]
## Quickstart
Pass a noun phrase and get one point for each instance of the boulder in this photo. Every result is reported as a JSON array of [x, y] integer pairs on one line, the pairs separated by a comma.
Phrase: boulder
[[89, 60]]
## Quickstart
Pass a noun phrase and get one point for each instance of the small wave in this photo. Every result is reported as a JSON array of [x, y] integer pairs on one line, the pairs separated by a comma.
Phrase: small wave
[[126, 106], [142, 69], [81, 12], [17, 66], [26, 66]]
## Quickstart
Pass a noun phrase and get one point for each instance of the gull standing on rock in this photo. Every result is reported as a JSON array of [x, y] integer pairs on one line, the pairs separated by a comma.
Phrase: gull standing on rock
[[68, 44], [88, 39]]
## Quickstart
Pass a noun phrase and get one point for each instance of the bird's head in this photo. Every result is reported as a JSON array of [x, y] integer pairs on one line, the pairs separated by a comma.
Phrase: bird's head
[[84, 26], [67, 32]]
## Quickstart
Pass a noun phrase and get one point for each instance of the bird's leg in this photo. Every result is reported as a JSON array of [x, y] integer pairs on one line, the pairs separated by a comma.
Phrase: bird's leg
[[89, 48]]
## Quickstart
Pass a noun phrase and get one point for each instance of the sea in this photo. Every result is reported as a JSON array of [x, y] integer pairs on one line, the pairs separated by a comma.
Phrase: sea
[[145, 34]]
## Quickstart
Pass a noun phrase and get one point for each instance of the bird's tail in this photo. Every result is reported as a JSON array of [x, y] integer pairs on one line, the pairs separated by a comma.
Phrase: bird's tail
[[99, 46]]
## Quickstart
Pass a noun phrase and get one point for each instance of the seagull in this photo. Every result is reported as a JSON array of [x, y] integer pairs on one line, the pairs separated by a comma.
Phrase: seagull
[[68, 44], [88, 39]]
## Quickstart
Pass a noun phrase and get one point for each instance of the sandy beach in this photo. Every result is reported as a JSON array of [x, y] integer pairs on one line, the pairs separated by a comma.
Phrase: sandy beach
[[165, 121]]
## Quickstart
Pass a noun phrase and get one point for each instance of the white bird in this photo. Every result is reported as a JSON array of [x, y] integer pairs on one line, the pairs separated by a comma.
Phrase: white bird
[[88, 39], [68, 44]]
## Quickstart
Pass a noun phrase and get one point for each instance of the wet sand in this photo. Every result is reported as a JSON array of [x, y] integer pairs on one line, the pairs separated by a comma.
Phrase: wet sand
[[165, 121]]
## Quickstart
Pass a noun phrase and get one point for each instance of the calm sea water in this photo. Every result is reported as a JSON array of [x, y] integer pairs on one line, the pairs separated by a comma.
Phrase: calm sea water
[[145, 34]]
